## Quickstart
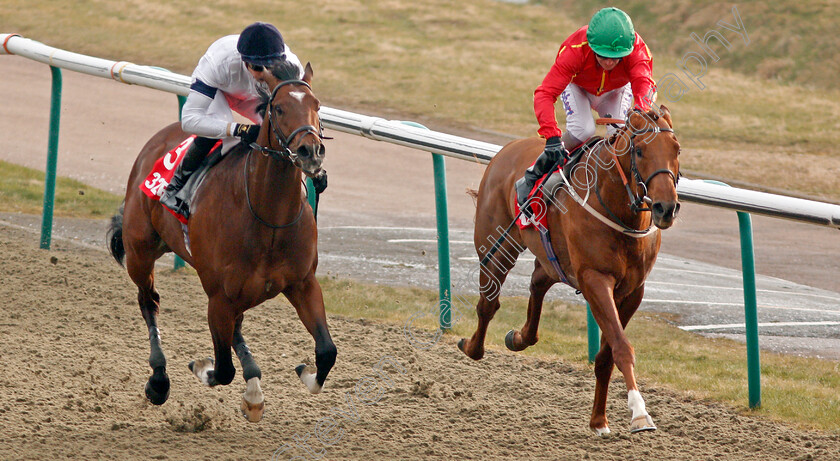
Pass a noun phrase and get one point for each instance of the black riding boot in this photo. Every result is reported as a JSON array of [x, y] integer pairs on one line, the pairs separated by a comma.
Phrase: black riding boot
[[192, 160], [532, 174]]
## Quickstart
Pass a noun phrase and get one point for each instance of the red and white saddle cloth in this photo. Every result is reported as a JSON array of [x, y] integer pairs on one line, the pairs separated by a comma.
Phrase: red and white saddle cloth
[[163, 171], [539, 208]]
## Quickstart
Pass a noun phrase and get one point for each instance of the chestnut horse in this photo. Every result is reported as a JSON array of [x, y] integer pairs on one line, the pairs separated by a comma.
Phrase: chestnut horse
[[252, 236], [604, 247]]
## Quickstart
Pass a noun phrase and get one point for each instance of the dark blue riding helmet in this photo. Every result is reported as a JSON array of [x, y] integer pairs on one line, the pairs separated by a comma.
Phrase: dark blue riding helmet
[[261, 44]]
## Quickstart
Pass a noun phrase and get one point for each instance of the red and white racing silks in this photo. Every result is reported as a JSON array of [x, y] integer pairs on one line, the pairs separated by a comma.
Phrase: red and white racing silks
[[576, 63]]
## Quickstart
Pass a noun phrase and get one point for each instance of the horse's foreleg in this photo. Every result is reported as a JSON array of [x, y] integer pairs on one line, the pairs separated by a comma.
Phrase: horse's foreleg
[[598, 289], [253, 402], [141, 271], [640, 420], [527, 336], [308, 300], [221, 318]]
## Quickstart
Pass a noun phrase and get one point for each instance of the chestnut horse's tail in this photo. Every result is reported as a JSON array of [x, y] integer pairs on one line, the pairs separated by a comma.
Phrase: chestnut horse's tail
[[114, 236], [473, 195]]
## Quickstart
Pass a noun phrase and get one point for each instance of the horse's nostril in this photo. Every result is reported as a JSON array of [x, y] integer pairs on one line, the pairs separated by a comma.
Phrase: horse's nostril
[[658, 209], [677, 208]]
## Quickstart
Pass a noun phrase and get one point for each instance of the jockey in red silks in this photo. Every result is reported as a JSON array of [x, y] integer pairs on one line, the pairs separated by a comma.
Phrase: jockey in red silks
[[604, 66]]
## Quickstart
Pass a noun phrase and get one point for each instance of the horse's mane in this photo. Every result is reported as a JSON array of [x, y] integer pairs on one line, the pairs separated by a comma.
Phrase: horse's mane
[[282, 70]]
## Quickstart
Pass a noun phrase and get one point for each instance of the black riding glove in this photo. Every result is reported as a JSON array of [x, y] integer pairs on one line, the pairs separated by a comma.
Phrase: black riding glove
[[320, 182], [248, 133], [556, 151]]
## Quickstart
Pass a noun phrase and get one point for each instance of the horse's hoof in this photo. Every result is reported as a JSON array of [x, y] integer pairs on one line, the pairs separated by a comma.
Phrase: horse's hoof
[[461, 344], [509, 340], [253, 412], [642, 423], [307, 375], [601, 431], [253, 402], [157, 396], [202, 369]]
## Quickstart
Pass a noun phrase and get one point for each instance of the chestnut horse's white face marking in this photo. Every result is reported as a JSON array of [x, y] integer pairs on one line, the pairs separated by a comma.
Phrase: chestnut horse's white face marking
[[297, 95]]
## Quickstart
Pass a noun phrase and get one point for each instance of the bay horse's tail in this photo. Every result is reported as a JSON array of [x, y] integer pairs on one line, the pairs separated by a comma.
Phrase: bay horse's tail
[[114, 236]]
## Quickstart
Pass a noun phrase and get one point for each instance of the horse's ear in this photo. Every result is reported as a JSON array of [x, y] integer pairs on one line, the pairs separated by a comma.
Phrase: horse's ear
[[666, 114], [307, 73]]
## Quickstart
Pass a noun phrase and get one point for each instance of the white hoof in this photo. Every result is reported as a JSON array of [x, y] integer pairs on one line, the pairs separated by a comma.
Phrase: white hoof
[[307, 375], [253, 403], [602, 431], [201, 369]]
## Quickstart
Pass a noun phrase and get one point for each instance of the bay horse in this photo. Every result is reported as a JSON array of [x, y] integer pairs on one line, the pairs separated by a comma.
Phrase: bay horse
[[605, 248], [252, 235]]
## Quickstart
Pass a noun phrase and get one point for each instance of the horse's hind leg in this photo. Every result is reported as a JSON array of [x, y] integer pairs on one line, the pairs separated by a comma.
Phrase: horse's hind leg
[[491, 278], [527, 336], [308, 300], [141, 271], [253, 402]]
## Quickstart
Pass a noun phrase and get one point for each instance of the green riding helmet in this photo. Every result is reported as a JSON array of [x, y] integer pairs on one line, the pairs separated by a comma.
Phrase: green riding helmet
[[611, 34]]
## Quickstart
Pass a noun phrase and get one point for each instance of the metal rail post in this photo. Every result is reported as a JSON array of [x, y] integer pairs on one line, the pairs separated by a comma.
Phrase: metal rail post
[[441, 211], [593, 334], [750, 306], [179, 263], [52, 160]]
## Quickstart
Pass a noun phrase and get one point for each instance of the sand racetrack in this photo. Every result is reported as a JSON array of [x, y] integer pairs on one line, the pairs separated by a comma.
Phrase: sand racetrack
[[75, 348]]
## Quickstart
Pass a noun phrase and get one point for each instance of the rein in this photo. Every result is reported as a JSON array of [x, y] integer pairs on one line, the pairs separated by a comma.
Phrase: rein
[[285, 154]]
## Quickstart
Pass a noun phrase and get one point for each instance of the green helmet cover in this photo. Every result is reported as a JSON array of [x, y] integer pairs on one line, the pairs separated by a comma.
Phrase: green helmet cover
[[611, 33]]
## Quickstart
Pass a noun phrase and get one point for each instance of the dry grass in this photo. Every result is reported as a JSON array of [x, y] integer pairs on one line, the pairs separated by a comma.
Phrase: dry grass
[[474, 65]]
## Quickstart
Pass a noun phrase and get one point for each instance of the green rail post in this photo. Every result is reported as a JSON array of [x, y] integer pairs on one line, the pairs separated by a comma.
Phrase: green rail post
[[310, 195], [750, 309], [750, 306], [443, 242], [179, 263], [52, 160], [593, 334], [444, 271]]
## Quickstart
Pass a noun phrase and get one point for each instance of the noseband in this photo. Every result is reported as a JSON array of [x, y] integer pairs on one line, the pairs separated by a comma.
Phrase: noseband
[[285, 151]]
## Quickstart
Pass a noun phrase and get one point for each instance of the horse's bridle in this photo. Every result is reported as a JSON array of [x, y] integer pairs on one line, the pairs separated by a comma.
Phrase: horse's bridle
[[286, 152], [636, 200]]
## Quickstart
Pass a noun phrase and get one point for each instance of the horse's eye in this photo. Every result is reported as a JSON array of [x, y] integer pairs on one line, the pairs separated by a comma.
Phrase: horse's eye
[[638, 151], [277, 109]]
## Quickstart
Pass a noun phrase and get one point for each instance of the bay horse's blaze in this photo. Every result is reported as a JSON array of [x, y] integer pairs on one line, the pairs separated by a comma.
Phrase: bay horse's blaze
[[608, 266], [252, 236]]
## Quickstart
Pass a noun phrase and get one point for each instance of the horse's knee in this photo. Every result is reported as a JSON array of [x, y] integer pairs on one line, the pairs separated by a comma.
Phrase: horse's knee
[[624, 357]]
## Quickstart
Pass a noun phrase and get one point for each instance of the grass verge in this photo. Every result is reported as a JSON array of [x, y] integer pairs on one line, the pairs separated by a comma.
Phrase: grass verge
[[22, 191]]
